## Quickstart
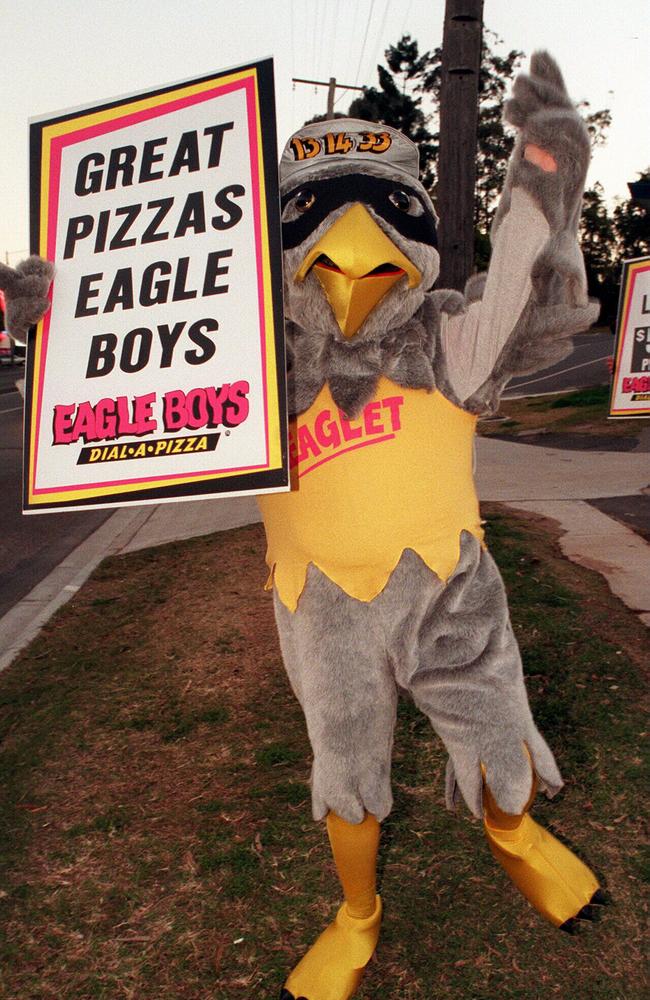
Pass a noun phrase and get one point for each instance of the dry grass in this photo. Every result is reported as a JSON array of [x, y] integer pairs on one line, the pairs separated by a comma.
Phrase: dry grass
[[155, 827]]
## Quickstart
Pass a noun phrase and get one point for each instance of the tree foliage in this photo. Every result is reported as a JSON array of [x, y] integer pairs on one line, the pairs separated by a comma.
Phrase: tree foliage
[[598, 242], [632, 225], [609, 238], [407, 97], [391, 104], [597, 123]]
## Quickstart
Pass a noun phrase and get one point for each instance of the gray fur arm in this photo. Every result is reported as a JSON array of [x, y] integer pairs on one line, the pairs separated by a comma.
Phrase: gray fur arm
[[25, 289], [535, 295]]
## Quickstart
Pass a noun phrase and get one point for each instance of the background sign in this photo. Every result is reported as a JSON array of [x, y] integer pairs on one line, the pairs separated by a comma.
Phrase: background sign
[[631, 380], [158, 373]]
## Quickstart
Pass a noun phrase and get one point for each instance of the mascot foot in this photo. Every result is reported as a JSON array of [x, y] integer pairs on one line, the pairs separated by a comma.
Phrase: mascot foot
[[334, 965], [589, 912], [549, 875]]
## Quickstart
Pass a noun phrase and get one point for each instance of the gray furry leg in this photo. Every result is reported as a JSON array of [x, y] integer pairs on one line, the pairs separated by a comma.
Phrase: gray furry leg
[[469, 681], [334, 654]]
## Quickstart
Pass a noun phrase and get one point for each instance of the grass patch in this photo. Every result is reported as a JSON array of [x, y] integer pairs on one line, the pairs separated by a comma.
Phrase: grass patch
[[584, 411], [596, 395], [276, 755], [155, 825]]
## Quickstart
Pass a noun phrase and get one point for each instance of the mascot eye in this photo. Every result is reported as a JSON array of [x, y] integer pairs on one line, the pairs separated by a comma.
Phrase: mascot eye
[[304, 200], [406, 203], [298, 205]]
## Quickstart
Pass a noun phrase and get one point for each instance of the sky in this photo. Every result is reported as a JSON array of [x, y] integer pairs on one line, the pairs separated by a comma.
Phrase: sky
[[60, 54]]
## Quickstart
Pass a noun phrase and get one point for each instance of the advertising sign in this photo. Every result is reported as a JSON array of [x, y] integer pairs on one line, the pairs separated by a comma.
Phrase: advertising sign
[[631, 378], [158, 373]]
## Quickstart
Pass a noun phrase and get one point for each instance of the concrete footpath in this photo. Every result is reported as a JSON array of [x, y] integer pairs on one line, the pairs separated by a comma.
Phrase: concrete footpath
[[553, 482], [128, 529]]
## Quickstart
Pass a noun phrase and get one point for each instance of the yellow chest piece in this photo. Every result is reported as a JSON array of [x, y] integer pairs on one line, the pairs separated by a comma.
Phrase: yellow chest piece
[[399, 476]]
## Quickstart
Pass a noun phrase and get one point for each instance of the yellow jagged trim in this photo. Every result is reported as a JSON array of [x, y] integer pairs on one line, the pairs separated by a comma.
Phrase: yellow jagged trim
[[397, 477], [289, 579]]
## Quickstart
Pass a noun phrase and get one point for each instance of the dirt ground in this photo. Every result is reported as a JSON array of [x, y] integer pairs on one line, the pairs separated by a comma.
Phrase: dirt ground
[[155, 824]]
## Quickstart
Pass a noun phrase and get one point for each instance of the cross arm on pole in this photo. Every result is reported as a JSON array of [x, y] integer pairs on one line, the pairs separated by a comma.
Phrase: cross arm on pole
[[326, 83], [332, 87]]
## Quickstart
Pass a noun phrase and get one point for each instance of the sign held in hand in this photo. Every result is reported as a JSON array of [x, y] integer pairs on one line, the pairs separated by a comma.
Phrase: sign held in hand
[[158, 373]]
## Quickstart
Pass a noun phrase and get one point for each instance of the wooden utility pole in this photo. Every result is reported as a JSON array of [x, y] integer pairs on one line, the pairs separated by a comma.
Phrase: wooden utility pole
[[461, 60], [331, 93]]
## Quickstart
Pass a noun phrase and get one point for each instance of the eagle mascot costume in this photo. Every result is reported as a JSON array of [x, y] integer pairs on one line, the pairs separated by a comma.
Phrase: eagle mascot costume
[[381, 578]]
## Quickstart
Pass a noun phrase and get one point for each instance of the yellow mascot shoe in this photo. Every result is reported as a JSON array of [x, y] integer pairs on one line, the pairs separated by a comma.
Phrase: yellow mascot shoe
[[549, 875], [333, 967]]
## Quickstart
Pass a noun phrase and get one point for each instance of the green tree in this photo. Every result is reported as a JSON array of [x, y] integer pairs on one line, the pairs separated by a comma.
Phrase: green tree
[[598, 242], [411, 77], [632, 226], [407, 98], [391, 104]]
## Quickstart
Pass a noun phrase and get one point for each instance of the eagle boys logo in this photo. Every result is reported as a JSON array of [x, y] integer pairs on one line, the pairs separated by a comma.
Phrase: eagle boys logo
[[113, 417]]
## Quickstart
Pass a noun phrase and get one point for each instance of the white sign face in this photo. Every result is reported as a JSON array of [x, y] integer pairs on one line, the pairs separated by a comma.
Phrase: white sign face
[[631, 378], [158, 373]]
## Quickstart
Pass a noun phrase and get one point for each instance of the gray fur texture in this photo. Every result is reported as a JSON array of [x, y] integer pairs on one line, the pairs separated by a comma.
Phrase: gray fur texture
[[391, 340], [451, 648], [353, 369], [542, 337], [25, 289], [557, 309], [474, 288], [304, 299]]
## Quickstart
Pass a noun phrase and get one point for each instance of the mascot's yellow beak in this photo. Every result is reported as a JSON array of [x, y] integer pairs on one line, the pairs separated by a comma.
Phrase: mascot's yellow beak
[[356, 264]]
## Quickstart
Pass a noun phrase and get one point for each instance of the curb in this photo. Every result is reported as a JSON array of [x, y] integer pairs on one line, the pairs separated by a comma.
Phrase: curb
[[25, 620], [599, 542], [127, 530]]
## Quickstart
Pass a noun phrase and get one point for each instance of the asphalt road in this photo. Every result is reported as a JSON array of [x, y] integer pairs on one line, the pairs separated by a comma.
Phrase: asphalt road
[[31, 546], [34, 545], [9, 375], [586, 366]]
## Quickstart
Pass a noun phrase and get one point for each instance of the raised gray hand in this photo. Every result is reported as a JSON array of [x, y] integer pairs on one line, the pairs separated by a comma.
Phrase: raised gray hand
[[550, 162]]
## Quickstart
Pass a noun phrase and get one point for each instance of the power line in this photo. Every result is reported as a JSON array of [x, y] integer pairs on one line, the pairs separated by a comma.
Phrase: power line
[[351, 36], [320, 34], [406, 17], [315, 6], [313, 39], [383, 20], [365, 39], [336, 26], [326, 40], [379, 36]]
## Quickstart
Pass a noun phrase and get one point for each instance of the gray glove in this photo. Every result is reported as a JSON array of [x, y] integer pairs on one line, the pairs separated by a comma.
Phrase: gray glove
[[25, 289], [547, 119]]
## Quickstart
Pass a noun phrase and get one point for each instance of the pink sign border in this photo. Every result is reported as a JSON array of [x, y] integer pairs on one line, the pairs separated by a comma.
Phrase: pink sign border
[[70, 138]]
